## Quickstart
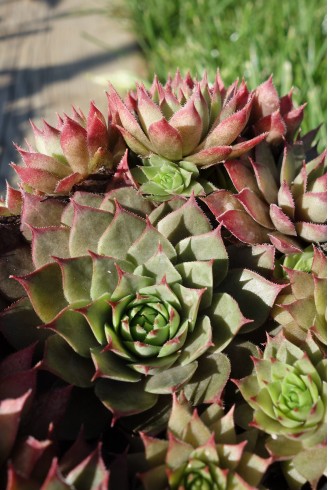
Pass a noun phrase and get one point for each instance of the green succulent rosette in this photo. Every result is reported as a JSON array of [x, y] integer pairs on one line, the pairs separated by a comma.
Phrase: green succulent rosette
[[288, 393], [160, 179], [199, 452], [134, 301], [302, 307]]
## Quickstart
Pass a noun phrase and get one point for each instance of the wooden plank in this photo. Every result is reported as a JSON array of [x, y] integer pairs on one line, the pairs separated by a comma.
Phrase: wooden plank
[[46, 59]]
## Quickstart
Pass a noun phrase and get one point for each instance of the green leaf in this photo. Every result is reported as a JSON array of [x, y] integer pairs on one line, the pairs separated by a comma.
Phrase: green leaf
[[44, 288], [59, 358], [19, 323], [311, 463], [186, 221], [88, 226], [109, 365], [123, 231], [153, 366], [164, 209], [97, 315], [190, 300], [197, 342], [130, 284], [49, 242], [198, 275], [171, 380], [209, 380], [75, 330], [130, 199], [77, 274], [157, 267], [226, 319], [105, 275], [147, 245], [124, 399], [208, 246], [254, 294]]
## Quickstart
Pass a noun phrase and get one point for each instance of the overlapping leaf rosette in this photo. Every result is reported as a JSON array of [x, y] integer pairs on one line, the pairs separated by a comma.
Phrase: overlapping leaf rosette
[[200, 451], [288, 393], [180, 127], [65, 156], [137, 302], [282, 200], [27, 446], [36, 466], [302, 307], [184, 126]]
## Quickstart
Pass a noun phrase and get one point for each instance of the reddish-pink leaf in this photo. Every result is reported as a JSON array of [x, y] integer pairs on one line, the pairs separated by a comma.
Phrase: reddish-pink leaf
[[244, 146], [227, 130], [266, 100], [165, 140], [243, 227], [36, 178], [73, 140], [211, 156], [281, 221], [256, 207], [189, 124], [241, 175], [284, 244], [221, 201], [312, 232], [128, 121]]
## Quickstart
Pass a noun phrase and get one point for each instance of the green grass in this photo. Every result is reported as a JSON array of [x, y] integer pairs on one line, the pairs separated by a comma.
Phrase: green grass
[[244, 38]]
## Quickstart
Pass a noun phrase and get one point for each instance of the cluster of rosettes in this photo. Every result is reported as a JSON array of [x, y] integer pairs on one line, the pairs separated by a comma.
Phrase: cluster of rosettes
[[159, 254]]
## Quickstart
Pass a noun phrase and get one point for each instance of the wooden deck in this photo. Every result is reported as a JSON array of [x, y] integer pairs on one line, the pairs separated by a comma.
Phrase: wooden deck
[[47, 59]]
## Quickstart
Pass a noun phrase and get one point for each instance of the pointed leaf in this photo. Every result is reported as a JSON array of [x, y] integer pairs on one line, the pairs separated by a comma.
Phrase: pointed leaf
[[243, 227], [209, 156], [73, 139], [47, 242], [124, 399], [254, 294], [256, 207], [44, 288], [281, 221], [166, 140], [189, 124], [171, 380], [209, 380]]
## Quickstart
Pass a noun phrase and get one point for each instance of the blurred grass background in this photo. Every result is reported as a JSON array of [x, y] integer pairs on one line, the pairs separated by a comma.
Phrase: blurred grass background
[[244, 38]]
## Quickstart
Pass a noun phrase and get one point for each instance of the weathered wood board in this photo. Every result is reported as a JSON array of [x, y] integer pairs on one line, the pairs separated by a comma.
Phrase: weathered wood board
[[46, 59]]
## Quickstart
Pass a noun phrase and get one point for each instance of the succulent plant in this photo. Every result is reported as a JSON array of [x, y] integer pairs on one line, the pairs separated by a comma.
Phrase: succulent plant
[[35, 466], [161, 179], [138, 307], [275, 115], [287, 210], [12, 203], [186, 120], [200, 451], [70, 153], [287, 391], [302, 307]]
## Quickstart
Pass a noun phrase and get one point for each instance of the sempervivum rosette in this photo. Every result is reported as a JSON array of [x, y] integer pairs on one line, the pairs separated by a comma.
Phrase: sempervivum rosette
[[303, 306], [186, 120], [70, 153], [160, 179], [12, 203], [200, 452], [138, 306], [287, 391], [285, 205], [275, 115], [36, 466]]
